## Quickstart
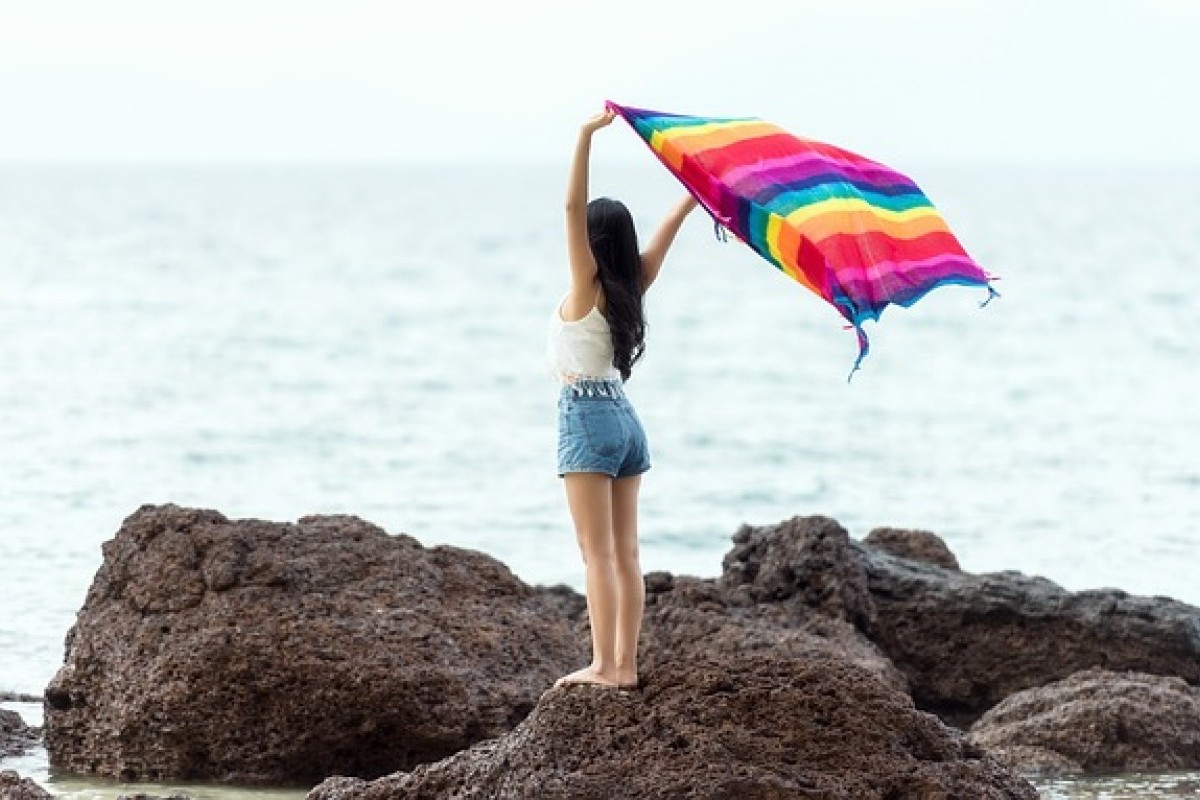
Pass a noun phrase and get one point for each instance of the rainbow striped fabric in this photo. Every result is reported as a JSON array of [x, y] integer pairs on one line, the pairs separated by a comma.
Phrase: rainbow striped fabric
[[852, 230]]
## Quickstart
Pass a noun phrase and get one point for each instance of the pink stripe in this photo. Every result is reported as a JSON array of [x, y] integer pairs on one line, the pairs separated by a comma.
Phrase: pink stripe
[[880, 269], [805, 165]]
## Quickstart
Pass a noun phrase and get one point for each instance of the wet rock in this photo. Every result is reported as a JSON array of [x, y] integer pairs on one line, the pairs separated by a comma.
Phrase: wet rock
[[916, 545], [731, 726], [14, 787], [15, 736], [1097, 721], [260, 652]]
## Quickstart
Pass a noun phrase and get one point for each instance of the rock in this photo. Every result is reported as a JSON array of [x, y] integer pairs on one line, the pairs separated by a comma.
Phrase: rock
[[916, 545], [964, 642], [1097, 721], [258, 652], [15, 736], [14, 787], [18, 697], [808, 560], [734, 725], [691, 617]]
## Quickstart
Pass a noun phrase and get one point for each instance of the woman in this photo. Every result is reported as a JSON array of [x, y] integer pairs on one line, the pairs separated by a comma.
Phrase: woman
[[596, 335]]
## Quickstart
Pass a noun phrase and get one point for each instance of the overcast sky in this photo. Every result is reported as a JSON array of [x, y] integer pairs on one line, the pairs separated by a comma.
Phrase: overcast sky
[[1059, 80]]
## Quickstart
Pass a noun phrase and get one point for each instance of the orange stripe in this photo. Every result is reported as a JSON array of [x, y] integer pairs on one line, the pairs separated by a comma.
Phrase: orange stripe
[[784, 242], [679, 142], [841, 222]]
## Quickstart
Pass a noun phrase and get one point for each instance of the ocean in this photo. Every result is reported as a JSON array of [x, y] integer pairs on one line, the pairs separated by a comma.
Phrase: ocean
[[280, 340]]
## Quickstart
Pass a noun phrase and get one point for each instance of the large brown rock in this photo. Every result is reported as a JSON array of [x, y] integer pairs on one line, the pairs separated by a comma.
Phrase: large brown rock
[[806, 560], [15, 736], [14, 787], [963, 641], [262, 652], [693, 617], [1097, 721], [967, 641], [743, 726]]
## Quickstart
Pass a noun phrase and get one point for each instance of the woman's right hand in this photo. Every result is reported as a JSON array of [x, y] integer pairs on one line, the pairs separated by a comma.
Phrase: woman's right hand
[[599, 121]]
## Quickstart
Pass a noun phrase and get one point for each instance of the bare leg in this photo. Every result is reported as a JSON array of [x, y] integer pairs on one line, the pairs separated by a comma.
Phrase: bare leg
[[589, 496], [631, 587]]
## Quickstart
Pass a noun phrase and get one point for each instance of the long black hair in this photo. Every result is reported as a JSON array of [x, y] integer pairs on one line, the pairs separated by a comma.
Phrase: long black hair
[[614, 244]]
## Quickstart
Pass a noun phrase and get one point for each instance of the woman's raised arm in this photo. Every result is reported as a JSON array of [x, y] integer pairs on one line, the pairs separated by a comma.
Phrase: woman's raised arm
[[579, 252], [656, 251]]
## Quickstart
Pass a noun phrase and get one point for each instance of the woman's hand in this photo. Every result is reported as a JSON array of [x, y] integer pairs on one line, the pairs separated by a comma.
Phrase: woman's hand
[[599, 121]]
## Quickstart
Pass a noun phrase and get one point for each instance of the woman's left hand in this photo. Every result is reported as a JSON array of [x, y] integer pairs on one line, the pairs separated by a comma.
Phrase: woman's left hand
[[599, 121]]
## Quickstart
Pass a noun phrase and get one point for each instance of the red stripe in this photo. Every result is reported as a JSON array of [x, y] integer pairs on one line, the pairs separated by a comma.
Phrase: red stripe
[[857, 250]]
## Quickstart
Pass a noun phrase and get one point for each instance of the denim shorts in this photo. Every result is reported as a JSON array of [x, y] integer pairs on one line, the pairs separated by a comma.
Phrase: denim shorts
[[598, 430]]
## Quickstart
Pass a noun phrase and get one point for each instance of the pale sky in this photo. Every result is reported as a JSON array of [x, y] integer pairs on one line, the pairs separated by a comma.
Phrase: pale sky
[[975, 80]]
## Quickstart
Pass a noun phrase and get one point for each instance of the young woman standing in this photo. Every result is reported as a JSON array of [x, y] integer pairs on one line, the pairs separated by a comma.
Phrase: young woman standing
[[597, 333]]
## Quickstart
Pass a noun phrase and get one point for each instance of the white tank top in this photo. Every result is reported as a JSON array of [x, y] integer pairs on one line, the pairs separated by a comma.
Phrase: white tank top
[[580, 349]]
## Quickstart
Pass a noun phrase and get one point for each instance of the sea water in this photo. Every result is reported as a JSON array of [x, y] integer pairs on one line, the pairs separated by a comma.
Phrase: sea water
[[276, 341]]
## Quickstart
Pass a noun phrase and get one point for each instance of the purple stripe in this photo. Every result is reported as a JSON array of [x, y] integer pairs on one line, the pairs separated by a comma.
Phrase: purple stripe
[[935, 265]]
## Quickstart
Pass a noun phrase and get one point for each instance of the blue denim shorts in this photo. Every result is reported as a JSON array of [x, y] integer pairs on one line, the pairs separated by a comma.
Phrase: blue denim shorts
[[598, 430]]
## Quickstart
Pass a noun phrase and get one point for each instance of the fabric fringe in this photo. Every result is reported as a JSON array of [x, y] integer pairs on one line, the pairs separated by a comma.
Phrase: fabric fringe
[[992, 295], [864, 347]]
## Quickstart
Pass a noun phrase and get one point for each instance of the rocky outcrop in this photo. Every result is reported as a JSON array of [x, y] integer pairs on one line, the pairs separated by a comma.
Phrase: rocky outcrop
[[15, 736], [261, 652], [1097, 721], [915, 545], [733, 725], [963, 641], [966, 641], [692, 617], [14, 787], [809, 561]]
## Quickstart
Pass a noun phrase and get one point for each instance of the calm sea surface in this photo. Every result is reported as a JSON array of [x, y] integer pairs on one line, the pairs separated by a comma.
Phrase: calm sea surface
[[276, 341]]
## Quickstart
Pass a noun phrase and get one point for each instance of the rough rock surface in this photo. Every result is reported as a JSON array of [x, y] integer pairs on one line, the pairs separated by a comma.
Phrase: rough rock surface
[[15, 735], [14, 787], [806, 560], [261, 652], [737, 726], [964, 641], [687, 616], [967, 641], [1097, 721], [917, 545]]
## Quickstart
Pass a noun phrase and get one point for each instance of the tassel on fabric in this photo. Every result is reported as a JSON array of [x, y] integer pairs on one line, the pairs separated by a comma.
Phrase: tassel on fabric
[[864, 347]]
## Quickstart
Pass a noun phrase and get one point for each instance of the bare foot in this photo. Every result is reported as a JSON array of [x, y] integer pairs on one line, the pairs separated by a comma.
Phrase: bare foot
[[588, 674], [627, 678]]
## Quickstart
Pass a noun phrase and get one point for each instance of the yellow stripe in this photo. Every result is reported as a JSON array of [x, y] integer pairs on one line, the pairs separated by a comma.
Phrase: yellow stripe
[[674, 143], [774, 224], [825, 225], [847, 205]]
